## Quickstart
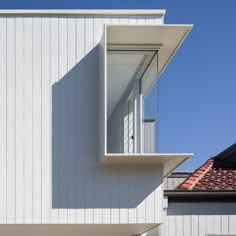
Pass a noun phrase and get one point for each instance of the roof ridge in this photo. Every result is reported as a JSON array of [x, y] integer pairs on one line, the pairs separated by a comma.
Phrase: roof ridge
[[197, 175]]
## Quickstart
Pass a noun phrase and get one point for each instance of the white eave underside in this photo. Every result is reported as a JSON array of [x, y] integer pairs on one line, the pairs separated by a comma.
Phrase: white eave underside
[[74, 229], [170, 37], [101, 12], [169, 161]]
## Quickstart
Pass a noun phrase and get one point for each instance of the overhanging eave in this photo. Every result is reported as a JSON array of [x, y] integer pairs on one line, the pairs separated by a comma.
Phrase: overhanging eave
[[165, 38], [169, 161]]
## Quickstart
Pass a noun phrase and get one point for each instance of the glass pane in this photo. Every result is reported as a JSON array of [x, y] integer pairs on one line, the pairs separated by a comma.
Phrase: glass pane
[[130, 76], [150, 109], [128, 123], [151, 120], [122, 68], [150, 76]]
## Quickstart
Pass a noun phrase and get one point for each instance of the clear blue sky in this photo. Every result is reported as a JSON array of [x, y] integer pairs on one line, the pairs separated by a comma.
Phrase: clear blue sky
[[198, 89]]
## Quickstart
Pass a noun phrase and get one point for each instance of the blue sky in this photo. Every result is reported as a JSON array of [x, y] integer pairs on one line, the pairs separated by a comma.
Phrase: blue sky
[[197, 92]]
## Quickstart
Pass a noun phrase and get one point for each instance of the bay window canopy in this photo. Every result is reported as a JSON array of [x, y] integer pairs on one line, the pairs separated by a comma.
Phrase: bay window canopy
[[132, 58]]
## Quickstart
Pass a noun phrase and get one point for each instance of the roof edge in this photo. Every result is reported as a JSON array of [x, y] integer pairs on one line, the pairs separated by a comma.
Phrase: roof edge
[[199, 193], [160, 12], [200, 196], [189, 192], [184, 174]]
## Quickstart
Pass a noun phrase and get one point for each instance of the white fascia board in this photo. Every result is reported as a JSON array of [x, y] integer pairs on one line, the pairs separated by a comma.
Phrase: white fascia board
[[169, 161], [159, 12]]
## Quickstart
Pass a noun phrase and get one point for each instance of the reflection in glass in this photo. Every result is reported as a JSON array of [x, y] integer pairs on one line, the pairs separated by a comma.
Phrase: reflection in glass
[[130, 76]]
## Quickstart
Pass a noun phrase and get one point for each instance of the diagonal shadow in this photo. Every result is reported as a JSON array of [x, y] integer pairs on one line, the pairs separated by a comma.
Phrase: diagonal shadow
[[78, 180]]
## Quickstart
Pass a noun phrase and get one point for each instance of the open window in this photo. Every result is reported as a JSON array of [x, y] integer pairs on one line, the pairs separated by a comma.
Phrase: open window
[[131, 60]]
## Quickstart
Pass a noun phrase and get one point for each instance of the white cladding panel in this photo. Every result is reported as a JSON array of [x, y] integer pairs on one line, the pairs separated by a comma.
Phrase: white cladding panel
[[49, 161], [199, 219], [171, 182]]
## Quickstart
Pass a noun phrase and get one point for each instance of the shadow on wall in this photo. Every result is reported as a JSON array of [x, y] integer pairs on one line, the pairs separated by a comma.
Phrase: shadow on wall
[[202, 207], [78, 180]]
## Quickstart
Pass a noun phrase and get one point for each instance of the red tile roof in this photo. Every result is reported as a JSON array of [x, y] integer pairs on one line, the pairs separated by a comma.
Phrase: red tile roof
[[210, 177]]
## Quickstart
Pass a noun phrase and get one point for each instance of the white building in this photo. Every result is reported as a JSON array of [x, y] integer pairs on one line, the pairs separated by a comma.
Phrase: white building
[[77, 154], [202, 203]]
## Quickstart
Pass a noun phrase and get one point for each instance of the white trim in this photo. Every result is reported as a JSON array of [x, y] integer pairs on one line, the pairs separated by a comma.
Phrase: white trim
[[105, 88], [160, 12], [150, 25], [135, 47], [159, 45], [149, 154]]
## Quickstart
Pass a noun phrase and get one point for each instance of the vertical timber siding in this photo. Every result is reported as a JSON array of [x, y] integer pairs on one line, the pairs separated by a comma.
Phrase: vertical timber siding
[[37, 52], [174, 180], [199, 219]]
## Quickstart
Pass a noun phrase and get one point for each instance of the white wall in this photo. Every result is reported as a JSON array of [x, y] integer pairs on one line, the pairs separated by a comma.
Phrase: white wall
[[173, 181], [49, 170], [200, 219]]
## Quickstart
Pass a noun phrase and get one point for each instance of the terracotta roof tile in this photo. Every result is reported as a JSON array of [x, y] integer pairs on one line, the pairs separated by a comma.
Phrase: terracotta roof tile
[[194, 178], [210, 177]]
